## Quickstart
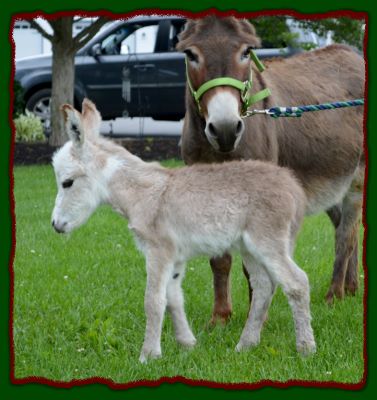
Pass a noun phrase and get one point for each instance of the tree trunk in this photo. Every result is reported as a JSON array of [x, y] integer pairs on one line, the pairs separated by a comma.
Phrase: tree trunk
[[63, 79]]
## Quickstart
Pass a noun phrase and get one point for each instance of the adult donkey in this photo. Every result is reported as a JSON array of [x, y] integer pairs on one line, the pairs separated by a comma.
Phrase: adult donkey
[[325, 150]]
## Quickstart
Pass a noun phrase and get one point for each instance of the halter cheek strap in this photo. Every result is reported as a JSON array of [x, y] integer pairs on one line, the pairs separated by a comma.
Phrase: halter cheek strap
[[244, 87]]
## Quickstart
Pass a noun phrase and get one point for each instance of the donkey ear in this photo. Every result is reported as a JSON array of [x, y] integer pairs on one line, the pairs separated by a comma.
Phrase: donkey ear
[[73, 125], [249, 29], [91, 118], [188, 29]]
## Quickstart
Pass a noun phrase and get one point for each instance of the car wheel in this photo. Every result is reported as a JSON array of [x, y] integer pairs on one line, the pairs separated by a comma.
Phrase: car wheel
[[39, 104]]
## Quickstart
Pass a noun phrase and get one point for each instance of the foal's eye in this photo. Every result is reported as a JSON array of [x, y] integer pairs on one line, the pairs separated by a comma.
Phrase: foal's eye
[[246, 53], [67, 183], [191, 56], [75, 127]]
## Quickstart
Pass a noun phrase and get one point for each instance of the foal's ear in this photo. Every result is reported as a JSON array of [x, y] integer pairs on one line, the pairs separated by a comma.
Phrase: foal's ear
[[91, 118], [72, 122]]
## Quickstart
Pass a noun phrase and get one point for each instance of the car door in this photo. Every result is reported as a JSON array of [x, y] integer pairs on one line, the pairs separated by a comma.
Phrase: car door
[[125, 54], [170, 68], [157, 77]]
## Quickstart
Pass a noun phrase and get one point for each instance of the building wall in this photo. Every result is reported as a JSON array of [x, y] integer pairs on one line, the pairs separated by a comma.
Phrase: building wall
[[29, 42]]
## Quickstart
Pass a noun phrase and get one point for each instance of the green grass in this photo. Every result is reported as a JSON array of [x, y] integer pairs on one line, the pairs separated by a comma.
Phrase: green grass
[[78, 306]]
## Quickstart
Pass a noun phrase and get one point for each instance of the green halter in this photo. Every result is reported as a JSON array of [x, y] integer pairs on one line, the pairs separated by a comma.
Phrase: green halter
[[244, 87]]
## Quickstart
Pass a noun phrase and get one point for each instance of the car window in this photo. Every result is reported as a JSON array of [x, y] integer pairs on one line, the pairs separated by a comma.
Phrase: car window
[[130, 39], [112, 43], [175, 29], [142, 40]]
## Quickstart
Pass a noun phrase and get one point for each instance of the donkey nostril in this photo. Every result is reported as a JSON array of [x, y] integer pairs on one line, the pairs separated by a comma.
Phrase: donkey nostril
[[212, 129], [239, 127], [59, 227]]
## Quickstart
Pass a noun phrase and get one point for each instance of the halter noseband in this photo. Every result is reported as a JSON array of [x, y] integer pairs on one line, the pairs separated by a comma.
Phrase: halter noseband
[[243, 87]]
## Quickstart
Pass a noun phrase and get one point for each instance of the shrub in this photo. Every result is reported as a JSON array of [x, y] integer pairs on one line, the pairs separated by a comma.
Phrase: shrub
[[29, 128], [18, 101]]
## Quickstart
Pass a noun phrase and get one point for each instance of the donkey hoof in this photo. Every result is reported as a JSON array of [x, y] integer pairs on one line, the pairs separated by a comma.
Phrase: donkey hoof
[[149, 355], [187, 341], [306, 348], [242, 345], [351, 289], [332, 293], [220, 318], [329, 298]]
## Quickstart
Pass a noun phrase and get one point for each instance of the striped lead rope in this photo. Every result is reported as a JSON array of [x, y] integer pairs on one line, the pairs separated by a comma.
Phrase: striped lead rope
[[277, 112]]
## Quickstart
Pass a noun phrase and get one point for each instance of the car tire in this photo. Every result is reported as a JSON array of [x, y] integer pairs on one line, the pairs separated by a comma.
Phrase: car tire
[[39, 104]]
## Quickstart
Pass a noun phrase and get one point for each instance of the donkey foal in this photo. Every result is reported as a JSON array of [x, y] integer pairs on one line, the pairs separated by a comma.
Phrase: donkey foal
[[250, 206]]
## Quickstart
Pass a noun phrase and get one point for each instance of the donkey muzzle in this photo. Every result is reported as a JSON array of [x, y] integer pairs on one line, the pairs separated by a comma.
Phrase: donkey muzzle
[[59, 228], [226, 133]]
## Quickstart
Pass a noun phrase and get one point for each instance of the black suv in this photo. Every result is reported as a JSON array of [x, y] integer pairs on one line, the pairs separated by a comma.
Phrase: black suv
[[130, 68]]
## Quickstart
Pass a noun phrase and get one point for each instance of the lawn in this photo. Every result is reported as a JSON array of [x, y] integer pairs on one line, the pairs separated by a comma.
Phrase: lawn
[[78, 306]]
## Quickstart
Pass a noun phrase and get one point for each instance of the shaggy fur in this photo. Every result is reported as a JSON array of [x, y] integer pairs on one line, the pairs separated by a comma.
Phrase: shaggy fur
[[252, 207]]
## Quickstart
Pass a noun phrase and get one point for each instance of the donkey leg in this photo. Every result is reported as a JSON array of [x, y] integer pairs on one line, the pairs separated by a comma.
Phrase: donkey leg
[[346, 245], [295, 285], [247, 275], [175, 299], [263, 291], [351, 283], [158, 274], [222, 309]]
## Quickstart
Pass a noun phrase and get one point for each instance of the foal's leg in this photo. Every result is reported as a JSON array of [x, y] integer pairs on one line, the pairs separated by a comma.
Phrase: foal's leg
[[345, 273], [263, 291], [159, 271], [250, 288], [283, 271], [176, 307], [222, 309], [295, 284]]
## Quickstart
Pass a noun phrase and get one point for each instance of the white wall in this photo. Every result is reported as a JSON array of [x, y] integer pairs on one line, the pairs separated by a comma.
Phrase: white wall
[[29, 42]]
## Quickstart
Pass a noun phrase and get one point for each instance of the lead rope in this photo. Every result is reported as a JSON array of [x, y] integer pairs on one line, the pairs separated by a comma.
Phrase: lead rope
[[277, 112]]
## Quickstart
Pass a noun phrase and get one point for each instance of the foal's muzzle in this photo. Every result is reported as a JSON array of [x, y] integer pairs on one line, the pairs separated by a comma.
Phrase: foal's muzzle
[[59, 228]]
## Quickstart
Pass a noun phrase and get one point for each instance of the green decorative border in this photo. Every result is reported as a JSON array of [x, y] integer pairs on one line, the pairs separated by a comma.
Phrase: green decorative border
[[172, 390]]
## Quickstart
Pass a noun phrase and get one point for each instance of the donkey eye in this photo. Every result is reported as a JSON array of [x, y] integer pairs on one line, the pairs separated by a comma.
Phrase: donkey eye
[[246, 53], [75, 127], [67, 183], [191, 56]]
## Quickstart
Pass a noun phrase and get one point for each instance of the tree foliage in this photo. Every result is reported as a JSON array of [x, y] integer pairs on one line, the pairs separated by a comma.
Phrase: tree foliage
[[275, 31], [344, 30]]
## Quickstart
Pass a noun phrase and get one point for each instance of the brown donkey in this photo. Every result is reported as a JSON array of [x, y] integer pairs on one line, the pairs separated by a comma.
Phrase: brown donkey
[[325, 150]]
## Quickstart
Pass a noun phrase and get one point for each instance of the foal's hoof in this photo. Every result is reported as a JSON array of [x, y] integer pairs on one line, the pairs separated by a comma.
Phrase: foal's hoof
[[187, 341], [242, 345], [148, 355], [306, 348]]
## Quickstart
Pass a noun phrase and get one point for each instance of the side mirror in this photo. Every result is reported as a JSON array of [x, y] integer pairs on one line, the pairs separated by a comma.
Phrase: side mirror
[[96, 50]]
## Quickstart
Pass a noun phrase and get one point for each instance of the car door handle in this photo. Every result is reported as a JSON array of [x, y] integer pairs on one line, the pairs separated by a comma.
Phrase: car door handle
[[144, 66]]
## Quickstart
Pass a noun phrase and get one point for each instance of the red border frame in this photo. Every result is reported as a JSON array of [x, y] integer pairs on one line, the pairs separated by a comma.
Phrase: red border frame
[[153, 383]]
